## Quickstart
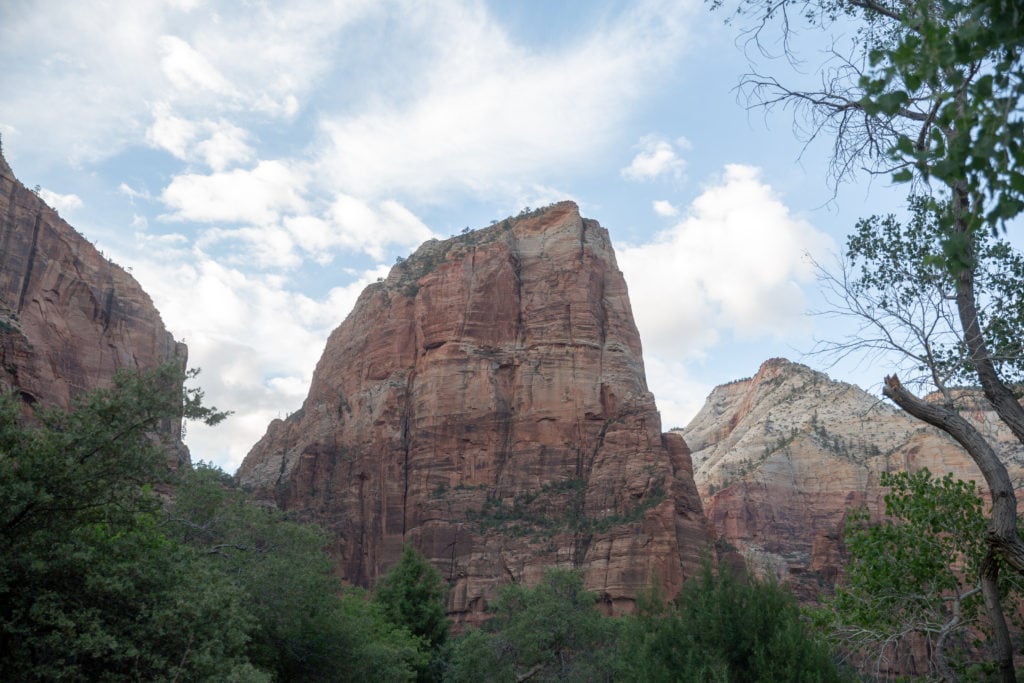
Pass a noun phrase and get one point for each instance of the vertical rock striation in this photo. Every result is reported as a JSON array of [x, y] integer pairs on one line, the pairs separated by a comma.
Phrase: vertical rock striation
[[487, 403], [69, 318]]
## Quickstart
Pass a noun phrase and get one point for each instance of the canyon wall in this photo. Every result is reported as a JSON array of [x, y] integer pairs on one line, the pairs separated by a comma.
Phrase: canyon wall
[[487, 403], [69, 317]]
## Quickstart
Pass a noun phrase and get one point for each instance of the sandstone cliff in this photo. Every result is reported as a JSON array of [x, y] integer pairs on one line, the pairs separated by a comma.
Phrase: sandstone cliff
[[781, 457], [487, 403], [69, 318]]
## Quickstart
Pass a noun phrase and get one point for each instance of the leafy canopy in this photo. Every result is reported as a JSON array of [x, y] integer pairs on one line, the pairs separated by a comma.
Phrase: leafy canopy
[[725, 626], [550, 632], [912, 577], [894, 283], [103, 579]]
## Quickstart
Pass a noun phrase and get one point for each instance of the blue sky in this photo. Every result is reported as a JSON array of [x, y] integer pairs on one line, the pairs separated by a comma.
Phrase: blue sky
[[256, 164]]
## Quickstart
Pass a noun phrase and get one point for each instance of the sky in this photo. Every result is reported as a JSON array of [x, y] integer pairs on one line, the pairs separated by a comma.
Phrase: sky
[[256, 164]]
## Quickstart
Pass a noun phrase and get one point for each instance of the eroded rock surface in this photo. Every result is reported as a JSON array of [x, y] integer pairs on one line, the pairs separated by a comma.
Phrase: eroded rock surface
[[487, 403], [69, 318], [781, 457]]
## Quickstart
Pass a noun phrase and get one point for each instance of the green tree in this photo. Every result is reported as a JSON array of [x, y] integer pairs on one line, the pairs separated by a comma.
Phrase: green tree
[[91, 588], [930, 90], [413, 595], [103, 579], [724, 626], [913, 577], [900, 299], [306, 626], [550, 632]]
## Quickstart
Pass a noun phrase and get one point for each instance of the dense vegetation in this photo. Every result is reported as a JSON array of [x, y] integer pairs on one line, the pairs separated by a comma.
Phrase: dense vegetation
[[113, 568], [103, 578], [910, 600]]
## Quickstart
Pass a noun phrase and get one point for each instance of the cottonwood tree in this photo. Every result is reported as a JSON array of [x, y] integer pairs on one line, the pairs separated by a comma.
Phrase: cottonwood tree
[[911, 587], [930, 91]]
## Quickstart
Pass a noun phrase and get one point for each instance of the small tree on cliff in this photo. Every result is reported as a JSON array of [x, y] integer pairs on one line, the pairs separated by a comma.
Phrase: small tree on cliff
[[930, 90]]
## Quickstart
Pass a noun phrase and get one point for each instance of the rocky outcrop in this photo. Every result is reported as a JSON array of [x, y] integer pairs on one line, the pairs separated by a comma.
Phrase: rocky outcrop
[[781, 457], [487, 403], [69, 318]]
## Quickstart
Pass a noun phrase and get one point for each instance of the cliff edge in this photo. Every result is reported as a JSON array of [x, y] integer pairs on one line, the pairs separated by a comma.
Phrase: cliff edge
[[69, 317]]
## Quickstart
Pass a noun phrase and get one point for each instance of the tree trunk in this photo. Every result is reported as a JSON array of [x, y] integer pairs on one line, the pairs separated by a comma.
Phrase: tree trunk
[[1001, 535], [1002, 528], [1000, 633], [999, 395]]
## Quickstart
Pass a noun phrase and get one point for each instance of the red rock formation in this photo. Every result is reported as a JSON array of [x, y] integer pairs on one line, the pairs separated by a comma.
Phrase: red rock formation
[[487, 402], [780, 458], [69, 318]]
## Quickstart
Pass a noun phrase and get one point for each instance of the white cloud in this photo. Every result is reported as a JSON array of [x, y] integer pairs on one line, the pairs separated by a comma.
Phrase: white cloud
[[184, 5], [733, 264], [258, 196], [664, 208], [490, 113], [678, 395], [363, 227], [281, 229], [188, 70], [133, 194], [170, 132], [263, 247], [657, 157], [256, 337], [63, 203], [84, 86], [225, 146], [218, 143]]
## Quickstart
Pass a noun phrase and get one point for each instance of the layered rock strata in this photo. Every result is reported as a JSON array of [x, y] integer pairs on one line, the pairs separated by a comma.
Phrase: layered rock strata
[[69, 317], [780, 459], [487, 403]]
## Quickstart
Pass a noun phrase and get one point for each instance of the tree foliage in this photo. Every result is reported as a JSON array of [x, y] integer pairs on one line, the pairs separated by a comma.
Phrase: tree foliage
[[931, 90], [925, 89], [956, 65], [722, 627], [413, 595], [725, 626], [306, 625], [90, 584], [103, 579], [550, 632], [912, 583], [893, 284]]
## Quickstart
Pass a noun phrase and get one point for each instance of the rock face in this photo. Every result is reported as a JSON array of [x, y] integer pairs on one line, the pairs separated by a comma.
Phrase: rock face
[[487, 403], [781, 457], [69, 318]]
